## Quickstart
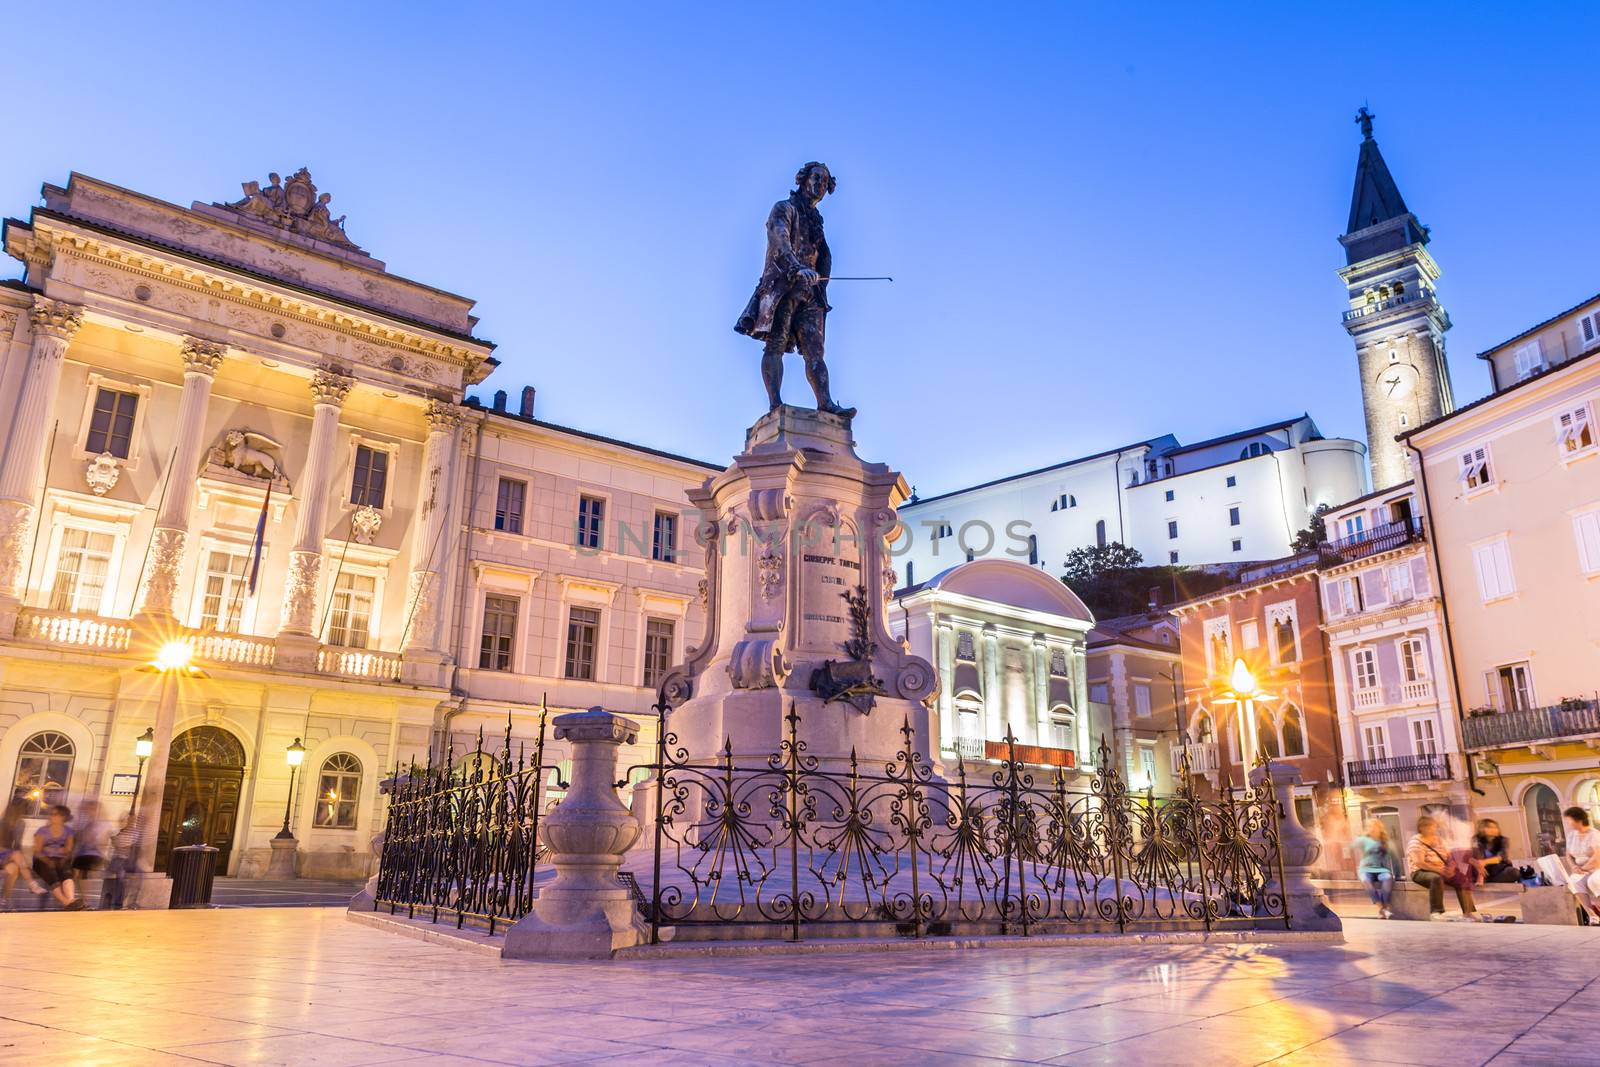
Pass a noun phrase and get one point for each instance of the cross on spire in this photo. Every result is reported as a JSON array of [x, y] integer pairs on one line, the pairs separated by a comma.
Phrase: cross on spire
[[1364, 120]]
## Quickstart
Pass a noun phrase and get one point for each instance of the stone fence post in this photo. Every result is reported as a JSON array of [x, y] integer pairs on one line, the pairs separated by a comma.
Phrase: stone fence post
[[1308, 907], [584, 912]]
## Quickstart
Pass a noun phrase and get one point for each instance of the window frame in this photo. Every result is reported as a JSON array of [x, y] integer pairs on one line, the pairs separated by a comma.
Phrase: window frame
[[109, 581], [1414, 733], [350, 800], [1475, 470], [375, 613], [1285, 611], [245, 624], [668, 660], [669, 554], [92, 386], [62, 790], [1368, 655], [567, 647], [504, 519], [1370, 732], [592, 526], [1588, 546], [109, 440], [502, 656], [390, 454], [1500, 545], [1576, 421]]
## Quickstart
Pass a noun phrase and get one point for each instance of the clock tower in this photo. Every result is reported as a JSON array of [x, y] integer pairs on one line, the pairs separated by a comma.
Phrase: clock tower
[[1395, 318]]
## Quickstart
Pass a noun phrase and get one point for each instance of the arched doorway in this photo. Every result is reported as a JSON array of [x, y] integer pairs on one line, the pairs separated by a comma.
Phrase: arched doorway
[[1543, 810], [200, 805]]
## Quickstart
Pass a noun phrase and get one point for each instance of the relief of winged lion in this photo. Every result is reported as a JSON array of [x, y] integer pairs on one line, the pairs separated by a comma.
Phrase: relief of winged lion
[[247, 453]]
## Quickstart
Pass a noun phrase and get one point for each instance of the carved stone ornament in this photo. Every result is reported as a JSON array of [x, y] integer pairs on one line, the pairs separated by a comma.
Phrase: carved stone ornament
[[300, 591], [1058, 663], [55, 318], [201, 355], [852, 681], [102, 473], [161, 576], [421, 595], [249, 453], [330, 387], [16, 529], [769, 572], [294, 205], [702, 591], [365, 522]]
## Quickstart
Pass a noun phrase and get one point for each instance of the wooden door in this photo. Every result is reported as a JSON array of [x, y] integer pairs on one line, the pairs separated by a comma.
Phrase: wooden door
[[200, 805]]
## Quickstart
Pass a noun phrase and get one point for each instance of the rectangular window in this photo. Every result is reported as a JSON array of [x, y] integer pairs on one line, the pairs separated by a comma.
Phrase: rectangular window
[[1364, 665], [1172, 557], [350, 621], [1575, 430], [499, 633], [1147, 765], [1249, 634], [1355, 527], [1400, 588], [1238, 545], [1283, 639], [1342, 597], [1141, 700], [1529, 359], [82, 565], [657, 651], [508, 502], [371, 478], [664, 537], [583, 634], [1373, 592], [1414, 659], [1493, 562], [591, 521], [1172, 528], [1590, 325], [1516, 687], [1424, 741], [111, 424], [1099, 693], [1586, 529], [1375, 742], [222, 602], [1475, 471], [1233, 516], [1232, 481], [1169, 494]]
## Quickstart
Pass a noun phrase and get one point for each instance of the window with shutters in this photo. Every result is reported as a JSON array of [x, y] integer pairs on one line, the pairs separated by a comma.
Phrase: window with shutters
[[350, 615], [1400, 589], [583, 635], [1364, 668], [1493, 564], [1375, 742], [499, 633], [1424, 738], [1355, 528], [591, 521], [83, 565], [1249, 635], [1575, 434], [1529, 359], [1586, 530], [1476, 472], [111, 423], [370, 481], [1141, 700], [658, 635], [508, 504], [1511, 687], [664, 537], [1373, 592], [1589, 329], [1414, 658]]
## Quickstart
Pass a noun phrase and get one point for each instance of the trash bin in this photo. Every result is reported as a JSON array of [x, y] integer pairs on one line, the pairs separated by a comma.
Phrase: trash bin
[[193, 868]]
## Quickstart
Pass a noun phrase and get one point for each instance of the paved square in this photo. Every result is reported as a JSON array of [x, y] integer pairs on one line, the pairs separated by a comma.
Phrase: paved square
[[306, 986]]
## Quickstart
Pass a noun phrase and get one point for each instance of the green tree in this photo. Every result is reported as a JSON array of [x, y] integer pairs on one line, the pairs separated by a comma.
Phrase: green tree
[[1312, 535], [1093, 562]]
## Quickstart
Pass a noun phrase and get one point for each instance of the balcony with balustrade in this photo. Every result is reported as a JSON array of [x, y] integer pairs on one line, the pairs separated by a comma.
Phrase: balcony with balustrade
[[1399, 770], [1571, 720], [93, 633], [1371, 542], [1204, 758]]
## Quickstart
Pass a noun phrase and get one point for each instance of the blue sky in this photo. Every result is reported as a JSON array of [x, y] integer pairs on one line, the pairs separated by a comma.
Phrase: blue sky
[[1103, 224]]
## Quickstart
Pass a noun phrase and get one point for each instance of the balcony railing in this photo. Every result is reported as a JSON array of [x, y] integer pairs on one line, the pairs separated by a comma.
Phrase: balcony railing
[[359, 663], [1383, 305], [1399, 770], [74, 631], [236, 649], [1371, 542], [970, 747], [1369, 698], [1416, 692], [1532, 724], [1203, 758]]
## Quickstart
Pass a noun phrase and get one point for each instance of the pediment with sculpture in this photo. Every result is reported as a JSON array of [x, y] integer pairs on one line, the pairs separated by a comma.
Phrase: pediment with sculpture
[[294, 205]]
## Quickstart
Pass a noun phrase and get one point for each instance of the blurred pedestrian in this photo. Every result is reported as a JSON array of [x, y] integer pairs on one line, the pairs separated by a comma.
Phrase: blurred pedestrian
[[1583, 859], [121, 886], [11, 860], [1492, 852], [1433, 868], [1376, 865], [52, 857], [89, 843]]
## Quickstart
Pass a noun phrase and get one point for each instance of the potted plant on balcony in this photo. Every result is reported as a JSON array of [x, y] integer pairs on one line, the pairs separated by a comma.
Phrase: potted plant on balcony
[[1482, 712], [1572, 703]]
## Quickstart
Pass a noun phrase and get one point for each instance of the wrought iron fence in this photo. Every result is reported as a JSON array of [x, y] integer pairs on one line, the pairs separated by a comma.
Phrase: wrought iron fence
[[787, 842], [461, 839], [1398, 770]]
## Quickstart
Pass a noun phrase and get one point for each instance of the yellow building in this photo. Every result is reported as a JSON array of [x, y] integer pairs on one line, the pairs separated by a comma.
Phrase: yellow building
[[1511, 488], [175, 380]]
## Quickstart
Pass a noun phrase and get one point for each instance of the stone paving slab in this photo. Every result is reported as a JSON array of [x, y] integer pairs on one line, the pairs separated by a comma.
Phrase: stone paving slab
[[297, 986]]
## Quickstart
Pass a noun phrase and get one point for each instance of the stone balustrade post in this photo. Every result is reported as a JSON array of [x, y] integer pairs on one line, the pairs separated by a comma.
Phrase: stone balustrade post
[[22, 471], [584, 912], [1308, 907], [328, 391], [201, 359]]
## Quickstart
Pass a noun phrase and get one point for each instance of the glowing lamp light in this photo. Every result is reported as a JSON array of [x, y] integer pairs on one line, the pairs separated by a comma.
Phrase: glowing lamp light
[[174, 655], [145, 743], [1243, 682], [296, 753]]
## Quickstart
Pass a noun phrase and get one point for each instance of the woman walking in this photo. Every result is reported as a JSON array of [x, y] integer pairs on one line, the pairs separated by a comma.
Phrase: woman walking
[[52, 857], [1376, 866], [1432, 868]]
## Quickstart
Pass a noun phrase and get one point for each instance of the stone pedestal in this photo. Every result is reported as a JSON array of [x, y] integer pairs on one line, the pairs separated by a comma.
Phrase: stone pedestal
[[1549, 905], [1308, 906], [585, 913], [154, 893], [282, 863], [798, 576]]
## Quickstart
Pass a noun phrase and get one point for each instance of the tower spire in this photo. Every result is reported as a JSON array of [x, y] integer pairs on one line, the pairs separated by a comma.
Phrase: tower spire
[[1376, 199]]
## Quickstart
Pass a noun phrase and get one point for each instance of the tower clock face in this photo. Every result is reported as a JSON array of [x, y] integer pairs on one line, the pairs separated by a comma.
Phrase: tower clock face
[[1396, 381]]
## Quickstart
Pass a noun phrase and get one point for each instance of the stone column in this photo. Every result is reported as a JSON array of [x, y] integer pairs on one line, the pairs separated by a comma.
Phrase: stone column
[[1308, 907], [328, 391], [1121, 695], [993, 697], [1041, 691], [584, 913], [21, 473], [160, 594], [944, 639], [432, 539]]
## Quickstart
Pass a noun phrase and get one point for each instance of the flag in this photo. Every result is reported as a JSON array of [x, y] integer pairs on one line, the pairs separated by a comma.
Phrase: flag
[[257, 545]]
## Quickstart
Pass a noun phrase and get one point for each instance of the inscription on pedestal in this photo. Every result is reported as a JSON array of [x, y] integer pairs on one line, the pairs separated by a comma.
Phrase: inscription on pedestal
[[823, 577]]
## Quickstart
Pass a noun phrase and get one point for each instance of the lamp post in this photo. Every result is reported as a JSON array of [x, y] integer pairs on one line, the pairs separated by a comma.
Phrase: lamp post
[[282, 864], [143, 745], [172, 663], [1244, 690]]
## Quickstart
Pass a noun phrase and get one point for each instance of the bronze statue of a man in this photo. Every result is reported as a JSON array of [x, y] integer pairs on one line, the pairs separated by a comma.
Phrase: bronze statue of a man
[[790, 305]]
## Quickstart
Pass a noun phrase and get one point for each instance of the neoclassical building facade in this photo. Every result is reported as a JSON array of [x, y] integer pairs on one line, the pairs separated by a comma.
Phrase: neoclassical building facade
[[229, 428]]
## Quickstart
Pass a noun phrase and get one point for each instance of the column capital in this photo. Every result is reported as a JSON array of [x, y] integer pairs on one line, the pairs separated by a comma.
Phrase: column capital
[[329, 387], [55, 318], [444, 416], [202, 356]]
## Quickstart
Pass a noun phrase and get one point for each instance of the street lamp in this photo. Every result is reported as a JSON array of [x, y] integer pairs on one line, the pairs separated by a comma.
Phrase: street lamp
[[143, 745], [1244, 690], [294, 755]]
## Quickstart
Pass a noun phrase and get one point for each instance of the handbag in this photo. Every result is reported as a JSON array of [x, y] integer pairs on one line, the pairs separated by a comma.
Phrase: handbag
[[1459, 871]]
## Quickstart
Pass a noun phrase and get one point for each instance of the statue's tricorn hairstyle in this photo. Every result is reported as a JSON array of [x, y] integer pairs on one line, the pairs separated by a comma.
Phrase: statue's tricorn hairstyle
[[800, 175]]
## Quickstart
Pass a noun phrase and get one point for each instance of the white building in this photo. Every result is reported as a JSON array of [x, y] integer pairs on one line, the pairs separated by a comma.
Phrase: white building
[[1240, 497]]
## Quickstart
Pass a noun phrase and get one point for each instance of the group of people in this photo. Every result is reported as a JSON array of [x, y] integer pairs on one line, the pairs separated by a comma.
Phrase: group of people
[[66, 851], [1434, 864]]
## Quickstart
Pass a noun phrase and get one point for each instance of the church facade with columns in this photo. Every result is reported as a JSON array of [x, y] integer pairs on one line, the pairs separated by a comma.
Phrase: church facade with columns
[[230, 430]]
